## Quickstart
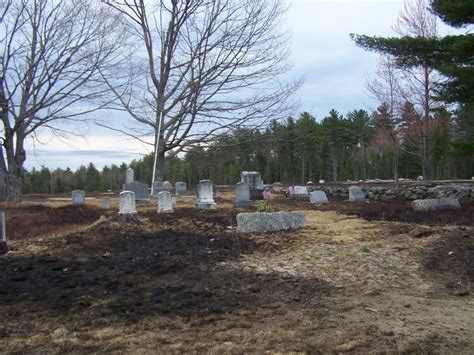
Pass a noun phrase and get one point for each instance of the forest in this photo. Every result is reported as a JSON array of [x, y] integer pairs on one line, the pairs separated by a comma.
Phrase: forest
[[354, 146]]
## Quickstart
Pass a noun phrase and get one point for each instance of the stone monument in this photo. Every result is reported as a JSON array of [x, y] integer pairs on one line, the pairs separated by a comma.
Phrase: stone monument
[[78, 197], [205, 195], [242, 195], [300, 191], [165, 202], [168, 186], [127, 203], [255, 182], [105, 202], [318, 197], [181, 188], [356, 194], [129, 176], [156, 188], [140, 189]]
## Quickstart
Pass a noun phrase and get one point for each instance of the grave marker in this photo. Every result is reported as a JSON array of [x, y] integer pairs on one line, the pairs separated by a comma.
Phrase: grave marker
[[318, 197], [356, 194], [127, 203], [165, 202], [105, 203], [242, 195], [300, 191], [78, 197], [205, 195], [129, 176], [140, 189], [181, 188]]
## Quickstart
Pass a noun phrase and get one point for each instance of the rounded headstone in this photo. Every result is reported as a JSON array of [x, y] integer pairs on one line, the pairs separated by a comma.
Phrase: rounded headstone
[[127, 202]]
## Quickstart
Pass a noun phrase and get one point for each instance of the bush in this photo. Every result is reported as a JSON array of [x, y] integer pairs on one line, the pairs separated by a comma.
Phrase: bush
[[264, 206]]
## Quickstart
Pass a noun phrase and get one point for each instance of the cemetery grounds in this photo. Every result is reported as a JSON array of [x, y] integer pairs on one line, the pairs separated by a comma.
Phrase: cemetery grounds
[[361, 277]]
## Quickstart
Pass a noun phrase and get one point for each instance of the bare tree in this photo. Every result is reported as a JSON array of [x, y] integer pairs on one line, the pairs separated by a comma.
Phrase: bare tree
[[204, 66], [416, 20], [50, 53]]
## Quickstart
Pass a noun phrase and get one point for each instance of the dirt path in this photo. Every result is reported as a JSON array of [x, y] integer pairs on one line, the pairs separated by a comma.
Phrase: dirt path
[[186, 282]]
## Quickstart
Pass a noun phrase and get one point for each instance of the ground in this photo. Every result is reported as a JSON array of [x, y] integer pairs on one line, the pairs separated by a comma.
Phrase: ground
[[364, 277]]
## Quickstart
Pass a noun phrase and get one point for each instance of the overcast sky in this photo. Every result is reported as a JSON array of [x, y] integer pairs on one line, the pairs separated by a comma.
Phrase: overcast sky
[[335, 71]]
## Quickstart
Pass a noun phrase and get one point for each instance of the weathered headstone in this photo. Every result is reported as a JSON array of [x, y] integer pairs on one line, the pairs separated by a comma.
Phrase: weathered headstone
[[168, 186], [140, 189], [156, 188], [254, 179], [322, 181], [300, 191], [242, 195], [205, 195], [129, 176], [127, 202], [181, 188], [78, 197], [105, 202], [3, 236], [165, 202], [318, 197], [435, 204], [356, 194]]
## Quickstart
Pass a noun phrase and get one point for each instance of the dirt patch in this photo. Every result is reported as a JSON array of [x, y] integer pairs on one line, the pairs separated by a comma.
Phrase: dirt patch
[[187, 282], [30, 221]]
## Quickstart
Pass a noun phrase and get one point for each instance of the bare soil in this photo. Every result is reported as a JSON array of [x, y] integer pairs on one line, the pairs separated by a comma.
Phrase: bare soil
[[369, 277]]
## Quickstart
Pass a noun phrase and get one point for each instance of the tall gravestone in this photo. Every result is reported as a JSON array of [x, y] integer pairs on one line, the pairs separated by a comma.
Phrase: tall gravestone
[[181, 188], [129, 176], [78, 197], [356, 194], [242, 195], [3, 236], [318, 197], [165, 202], [127, 202], [105, 202], [205, 195], [140, 189], [255, 182]]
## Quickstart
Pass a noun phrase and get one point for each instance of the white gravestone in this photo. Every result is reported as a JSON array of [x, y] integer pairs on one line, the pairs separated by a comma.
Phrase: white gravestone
[[300, 191], [205, 195], [105, 203], [318, 197], [242, 195], [127, 202], [165, 202], [78, 197], [181, 188], [356, 194], [129, 176], [140, 189]]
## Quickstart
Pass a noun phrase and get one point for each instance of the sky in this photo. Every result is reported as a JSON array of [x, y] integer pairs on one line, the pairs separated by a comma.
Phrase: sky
[[333, 67]]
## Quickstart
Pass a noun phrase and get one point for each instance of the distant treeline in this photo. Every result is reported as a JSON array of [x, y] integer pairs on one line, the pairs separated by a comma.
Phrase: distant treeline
[[355, 146]]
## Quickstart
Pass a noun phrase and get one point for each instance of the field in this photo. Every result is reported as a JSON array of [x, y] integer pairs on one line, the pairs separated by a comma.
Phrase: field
[[365, 277]]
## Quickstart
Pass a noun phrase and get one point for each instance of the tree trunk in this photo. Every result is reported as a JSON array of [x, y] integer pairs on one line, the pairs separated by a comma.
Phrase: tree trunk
[[13, 186], [334, 168], [160, 165]]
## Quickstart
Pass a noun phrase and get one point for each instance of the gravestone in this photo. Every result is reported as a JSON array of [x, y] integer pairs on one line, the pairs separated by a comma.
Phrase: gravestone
[[105, 203], [322, 181], [129, 176], [356, 194], [181, 188], [168, 186], [156, 188], [242, 195], [254, 179], [127, 202], [165, 202], [318, 197], [3, 236], [78, 197], [205, 195], [435, 204], [300, 191], [140, 189]]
